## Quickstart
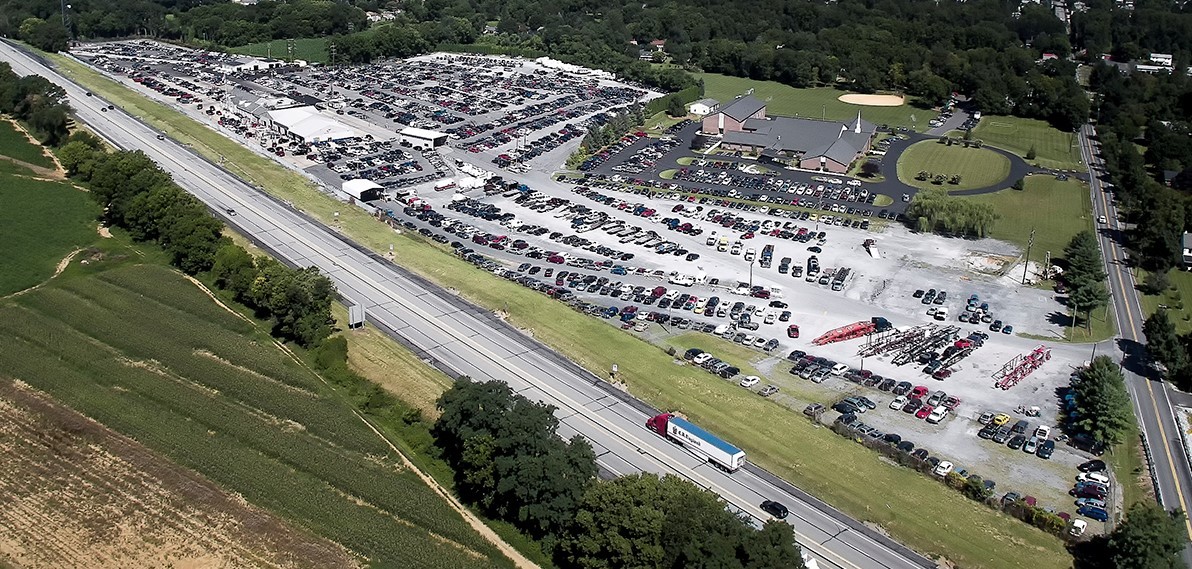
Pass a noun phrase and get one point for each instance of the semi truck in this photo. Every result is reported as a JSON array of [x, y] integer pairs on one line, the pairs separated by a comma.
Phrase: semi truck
[[698, 441]]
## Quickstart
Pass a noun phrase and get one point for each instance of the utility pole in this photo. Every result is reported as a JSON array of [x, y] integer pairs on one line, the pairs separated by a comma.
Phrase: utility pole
[[66, 19], [1027, 266]]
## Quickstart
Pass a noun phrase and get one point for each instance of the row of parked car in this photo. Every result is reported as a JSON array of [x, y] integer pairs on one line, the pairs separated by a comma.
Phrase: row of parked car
[[998, 429]]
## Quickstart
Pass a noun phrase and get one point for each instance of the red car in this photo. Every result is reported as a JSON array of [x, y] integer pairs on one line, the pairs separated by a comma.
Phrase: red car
[[923, 412], [918, 392], [792, 331]]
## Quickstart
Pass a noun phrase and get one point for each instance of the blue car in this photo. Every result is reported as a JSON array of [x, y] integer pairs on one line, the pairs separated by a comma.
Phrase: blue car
[[1094, 513]]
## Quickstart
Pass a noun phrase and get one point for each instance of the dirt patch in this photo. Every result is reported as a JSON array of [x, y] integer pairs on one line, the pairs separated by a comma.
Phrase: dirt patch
[[104, 232], [56, 173], [873, 100], [80, 495]]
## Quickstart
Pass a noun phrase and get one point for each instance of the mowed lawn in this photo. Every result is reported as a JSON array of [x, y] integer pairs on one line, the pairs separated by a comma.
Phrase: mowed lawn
[[147, 353], [840, 472], [977, 167], [43, 222], [816, 102], [13, 144], [1177, 299], [1053, 147], [1055, 210], [312, 50]]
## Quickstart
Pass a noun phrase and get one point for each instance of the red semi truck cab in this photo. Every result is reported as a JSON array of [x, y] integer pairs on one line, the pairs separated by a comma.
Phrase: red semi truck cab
[[698, 441]]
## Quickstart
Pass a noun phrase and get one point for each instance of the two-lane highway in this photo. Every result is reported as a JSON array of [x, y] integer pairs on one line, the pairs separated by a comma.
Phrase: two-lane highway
[[464, 339], [1151, 398]]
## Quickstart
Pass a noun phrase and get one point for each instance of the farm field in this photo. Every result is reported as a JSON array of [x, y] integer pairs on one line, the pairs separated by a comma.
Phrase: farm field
[[15, 145], [28, 253], [146, 353], [973, 535], [977, 167], [311, 50], [818, 102], [79, 495], [1053, 148]]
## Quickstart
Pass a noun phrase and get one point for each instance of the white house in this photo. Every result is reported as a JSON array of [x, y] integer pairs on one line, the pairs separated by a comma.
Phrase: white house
[[704, 107], [1187, 250]]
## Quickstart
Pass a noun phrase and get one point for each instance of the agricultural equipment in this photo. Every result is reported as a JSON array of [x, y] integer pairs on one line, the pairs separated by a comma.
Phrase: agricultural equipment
[[1021, 366], [852, 331]]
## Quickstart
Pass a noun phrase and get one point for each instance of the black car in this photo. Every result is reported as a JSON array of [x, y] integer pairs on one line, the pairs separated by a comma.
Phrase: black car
[[775, 509], [1045, 450], [1092, 466], [918, 294]]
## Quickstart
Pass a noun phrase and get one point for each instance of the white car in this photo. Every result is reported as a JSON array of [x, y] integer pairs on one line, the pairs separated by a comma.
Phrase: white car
[[1078, 527], [898, 402], [943, 468], [1102, 219], [1093, 477], [750, 381], [839, 369], [1031, 445], [1043, 433], [937, 414], [700, 359]]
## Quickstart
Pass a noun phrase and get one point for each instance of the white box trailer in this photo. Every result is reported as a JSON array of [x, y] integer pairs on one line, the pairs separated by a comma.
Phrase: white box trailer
[[700, 442]]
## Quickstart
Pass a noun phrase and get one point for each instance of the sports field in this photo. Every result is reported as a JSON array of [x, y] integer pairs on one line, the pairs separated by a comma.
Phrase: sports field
[[819, 102], [776, 438], [147, 353], [312, 50], [1053, 148], [977, 167]]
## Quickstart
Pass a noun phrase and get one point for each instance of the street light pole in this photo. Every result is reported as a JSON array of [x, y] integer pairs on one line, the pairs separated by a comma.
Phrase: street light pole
[[750, 277]]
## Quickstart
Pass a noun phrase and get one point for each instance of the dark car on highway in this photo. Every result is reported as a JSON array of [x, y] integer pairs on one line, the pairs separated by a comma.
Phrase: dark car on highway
[[775, 509]]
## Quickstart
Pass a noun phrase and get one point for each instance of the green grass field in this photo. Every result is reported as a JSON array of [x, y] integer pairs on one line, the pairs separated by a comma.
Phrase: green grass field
[[13, 144], [142, 350], [30, 250], [1053, 148], [776, 438], [1177, 299], [312, 50], [817, 102], [977, 167]]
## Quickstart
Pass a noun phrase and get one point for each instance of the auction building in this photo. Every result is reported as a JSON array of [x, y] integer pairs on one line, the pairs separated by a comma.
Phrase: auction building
[[810, 144]]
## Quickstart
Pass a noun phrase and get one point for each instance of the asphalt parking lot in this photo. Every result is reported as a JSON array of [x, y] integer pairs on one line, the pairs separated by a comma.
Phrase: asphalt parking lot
[[608, 227]]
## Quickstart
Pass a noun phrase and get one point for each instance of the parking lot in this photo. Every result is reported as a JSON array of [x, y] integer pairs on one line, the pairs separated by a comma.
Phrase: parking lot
[[768, 260]]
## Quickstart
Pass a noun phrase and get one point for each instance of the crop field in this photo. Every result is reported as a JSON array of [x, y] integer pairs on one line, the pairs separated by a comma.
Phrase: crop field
[[311, 50], [776, 438], [1053, 147], [143, 351], [80, 495], [977, 167], [29, 253], [819, 102], [15, 145]]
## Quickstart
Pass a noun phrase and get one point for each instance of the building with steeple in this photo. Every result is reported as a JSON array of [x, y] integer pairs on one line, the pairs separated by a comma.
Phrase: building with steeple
[[811, 144]]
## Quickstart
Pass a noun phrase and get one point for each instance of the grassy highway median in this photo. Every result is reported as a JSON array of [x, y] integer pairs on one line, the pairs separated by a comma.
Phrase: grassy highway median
[[909, 506]]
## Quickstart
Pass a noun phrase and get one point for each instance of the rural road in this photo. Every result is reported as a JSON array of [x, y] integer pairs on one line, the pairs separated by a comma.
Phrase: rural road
[[464, 339], [1153, 400]]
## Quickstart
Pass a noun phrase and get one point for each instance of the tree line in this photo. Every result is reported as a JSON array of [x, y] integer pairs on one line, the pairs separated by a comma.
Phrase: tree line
[[36, 102], [140, 197], [510, 462], [933, 210]]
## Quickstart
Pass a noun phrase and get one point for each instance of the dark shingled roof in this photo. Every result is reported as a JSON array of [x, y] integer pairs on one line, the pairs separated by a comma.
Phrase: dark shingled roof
[[743, 108], [835, 140]]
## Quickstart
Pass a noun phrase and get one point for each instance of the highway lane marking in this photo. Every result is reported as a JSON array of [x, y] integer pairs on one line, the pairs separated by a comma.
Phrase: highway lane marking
[[514, 370], [1134, 330]]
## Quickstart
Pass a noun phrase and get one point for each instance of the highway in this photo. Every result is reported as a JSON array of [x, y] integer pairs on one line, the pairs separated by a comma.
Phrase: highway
[[464, 339], [1152, 399]]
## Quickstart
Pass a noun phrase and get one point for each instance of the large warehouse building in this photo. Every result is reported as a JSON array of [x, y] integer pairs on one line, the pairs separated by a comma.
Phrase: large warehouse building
[[806, 143], [308, 124]]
